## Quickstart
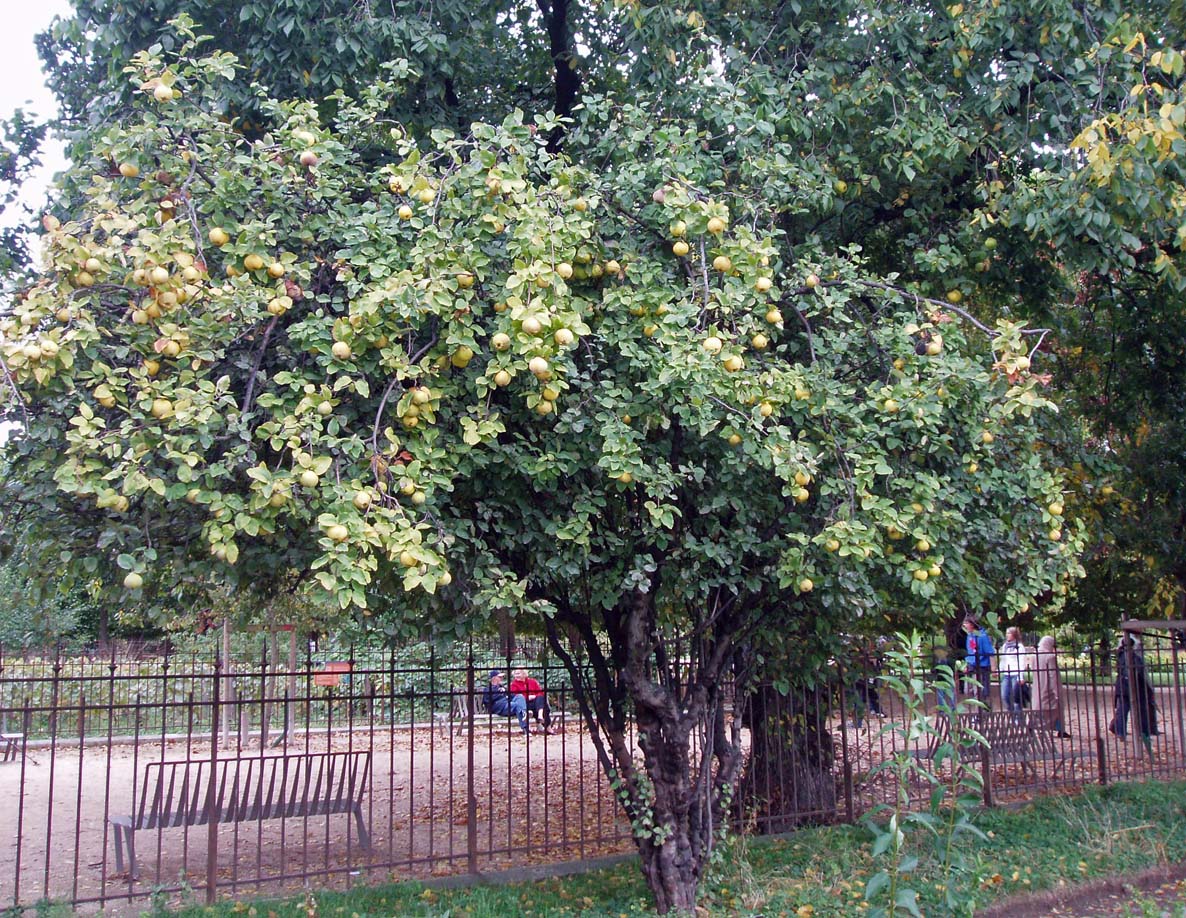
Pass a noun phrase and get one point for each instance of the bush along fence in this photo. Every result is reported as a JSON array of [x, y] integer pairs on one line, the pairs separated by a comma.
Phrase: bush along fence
[[170, 776]]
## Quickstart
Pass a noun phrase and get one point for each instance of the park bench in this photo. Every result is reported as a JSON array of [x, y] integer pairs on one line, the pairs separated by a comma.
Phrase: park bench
[[941, 735], [176, 793], [1017, 738], [12, 745], [1013, 738]]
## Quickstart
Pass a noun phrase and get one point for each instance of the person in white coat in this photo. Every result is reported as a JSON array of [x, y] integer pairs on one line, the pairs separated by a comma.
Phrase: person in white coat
[[1014, 666]]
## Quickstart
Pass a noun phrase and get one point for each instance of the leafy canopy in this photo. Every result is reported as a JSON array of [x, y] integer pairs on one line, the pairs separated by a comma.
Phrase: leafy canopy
[[259, 357]]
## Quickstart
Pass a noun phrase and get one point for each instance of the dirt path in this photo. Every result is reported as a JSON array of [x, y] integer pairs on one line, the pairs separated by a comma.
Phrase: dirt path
[[1162, 888], [537, 798]]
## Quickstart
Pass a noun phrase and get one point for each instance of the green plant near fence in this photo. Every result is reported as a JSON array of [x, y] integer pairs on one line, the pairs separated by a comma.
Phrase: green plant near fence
[[943, 817]]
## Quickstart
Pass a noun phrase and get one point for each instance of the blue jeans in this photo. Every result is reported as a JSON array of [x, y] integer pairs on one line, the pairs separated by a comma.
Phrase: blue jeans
[[976, 682], [1011, 692], [515, 706]]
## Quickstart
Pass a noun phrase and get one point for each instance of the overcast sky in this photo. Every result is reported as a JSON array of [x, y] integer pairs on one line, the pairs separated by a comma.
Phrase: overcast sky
[[22, 84]]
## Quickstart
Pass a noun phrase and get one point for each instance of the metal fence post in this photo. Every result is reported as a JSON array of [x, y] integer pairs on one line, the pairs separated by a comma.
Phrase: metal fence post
[[1177, 684], [471, 799], [844, 750], [1101, 751], [986, 775], [212, 792], [4, 702], [54, 698], [27, 726]]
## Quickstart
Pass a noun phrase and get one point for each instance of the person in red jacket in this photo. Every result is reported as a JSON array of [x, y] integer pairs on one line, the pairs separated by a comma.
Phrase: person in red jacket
[[537, 701]]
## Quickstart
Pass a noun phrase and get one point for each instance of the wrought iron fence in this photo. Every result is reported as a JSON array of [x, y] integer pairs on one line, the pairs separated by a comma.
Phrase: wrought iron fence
[[184, 776]]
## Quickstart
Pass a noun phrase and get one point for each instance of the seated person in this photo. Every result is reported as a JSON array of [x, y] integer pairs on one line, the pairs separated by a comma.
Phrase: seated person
[[498, 700], [537, 701]]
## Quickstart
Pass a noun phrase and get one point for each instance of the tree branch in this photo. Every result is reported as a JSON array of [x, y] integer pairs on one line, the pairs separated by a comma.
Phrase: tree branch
[[259, 359], [15, 391], [567, 82]]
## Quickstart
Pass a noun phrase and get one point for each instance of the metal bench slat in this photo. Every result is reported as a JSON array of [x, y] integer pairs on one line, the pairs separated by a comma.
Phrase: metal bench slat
[[173, 794]]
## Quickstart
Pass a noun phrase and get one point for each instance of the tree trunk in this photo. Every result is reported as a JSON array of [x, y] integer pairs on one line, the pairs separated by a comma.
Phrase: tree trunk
[[673, 792], [507, 645], [788, 780], [671, 876], [953, 631], [104, 635], [673, 856]]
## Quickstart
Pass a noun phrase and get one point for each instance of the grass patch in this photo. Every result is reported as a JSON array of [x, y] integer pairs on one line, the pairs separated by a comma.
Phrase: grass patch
[[816, 872]]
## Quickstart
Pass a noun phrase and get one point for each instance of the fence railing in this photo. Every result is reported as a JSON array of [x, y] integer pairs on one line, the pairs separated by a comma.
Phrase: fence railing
[[188, 777]]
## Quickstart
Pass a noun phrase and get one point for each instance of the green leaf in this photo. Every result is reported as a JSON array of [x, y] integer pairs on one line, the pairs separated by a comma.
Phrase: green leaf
[[882, 843], [908, 899]]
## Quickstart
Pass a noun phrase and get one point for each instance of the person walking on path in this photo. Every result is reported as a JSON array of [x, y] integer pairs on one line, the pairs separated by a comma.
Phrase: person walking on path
[[979, 651], [1014, 667], [498, 700], [1134, 692], [1047, 701]]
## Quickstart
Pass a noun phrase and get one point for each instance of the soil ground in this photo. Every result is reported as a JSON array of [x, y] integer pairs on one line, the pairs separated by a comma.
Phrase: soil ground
[[542, 797], [1157, 892], [539, 799]]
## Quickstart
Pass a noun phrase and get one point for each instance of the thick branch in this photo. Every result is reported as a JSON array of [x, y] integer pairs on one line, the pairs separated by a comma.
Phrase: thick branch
[[567, 82], [259, 359], [645, 692], [946, 306]]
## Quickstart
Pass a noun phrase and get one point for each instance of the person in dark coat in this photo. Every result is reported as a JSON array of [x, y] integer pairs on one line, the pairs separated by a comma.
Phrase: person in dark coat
[[1134, 691], [943, 678], [498, 700]]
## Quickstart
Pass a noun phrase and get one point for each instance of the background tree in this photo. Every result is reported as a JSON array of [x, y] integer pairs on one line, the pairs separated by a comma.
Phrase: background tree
[[1123, 363], [469, 59], [20, 141], [39, 613]]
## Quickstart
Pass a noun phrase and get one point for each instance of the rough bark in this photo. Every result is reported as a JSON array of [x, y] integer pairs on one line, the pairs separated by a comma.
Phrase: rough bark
[[672, 868], [672, 857], [567, 81], [788, 780], [104, 629], [675, 792]]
